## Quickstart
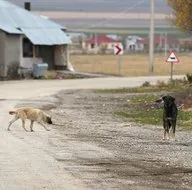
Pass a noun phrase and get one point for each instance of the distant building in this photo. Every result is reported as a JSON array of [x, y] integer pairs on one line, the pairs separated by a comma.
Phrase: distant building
[[26, 39], [77, 40], [162, 43], [100, 44], [186, 44], [132, 44]]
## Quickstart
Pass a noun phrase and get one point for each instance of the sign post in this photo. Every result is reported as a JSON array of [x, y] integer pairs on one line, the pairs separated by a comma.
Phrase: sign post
[[172, 58], [171, 72], [118, 50]]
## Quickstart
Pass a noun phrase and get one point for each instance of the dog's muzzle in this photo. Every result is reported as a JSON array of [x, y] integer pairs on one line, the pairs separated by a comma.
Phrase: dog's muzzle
[[49, 120]]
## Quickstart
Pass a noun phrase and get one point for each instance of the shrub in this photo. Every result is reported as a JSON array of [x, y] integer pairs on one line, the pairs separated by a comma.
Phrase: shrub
[[50, 75], [161, 84], [146, 84], [189, 78]]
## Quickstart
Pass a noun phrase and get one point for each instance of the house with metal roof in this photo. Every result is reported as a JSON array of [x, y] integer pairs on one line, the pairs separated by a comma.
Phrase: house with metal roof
[[27, 39]]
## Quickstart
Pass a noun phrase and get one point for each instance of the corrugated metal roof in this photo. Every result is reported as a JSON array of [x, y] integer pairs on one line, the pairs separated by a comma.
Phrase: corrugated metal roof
[[13, 18], [101, 39], [46, 36], [10, 29]]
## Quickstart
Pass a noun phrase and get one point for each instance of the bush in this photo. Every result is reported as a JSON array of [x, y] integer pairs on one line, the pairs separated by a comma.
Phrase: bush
[[161, 84], [146, 84], [50, 75], [189, 78]]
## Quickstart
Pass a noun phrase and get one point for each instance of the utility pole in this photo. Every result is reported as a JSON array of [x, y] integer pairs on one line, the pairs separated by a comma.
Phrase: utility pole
[[165, 44], [151, 45]]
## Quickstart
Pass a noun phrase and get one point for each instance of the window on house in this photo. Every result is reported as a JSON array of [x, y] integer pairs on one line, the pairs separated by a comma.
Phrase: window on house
[[27, 48]]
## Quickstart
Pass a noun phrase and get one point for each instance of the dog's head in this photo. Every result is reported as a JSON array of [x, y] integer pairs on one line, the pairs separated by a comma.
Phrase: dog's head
[[168, 101], [48, 119]]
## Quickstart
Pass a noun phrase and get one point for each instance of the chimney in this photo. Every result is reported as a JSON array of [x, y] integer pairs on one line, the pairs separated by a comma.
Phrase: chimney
[[27, 6]]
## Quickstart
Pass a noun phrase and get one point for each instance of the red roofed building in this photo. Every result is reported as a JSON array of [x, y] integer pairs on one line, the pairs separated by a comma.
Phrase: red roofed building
[[186, 44], [160, 42], [100, 44]]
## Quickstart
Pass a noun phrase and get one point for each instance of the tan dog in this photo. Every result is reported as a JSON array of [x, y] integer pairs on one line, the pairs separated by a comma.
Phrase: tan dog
[[31, 114]]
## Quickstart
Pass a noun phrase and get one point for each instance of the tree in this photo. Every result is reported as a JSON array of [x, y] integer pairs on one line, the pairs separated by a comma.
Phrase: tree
[[182, 13]]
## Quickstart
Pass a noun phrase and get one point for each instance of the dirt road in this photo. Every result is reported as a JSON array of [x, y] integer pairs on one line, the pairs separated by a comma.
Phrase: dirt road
[[87, 147]]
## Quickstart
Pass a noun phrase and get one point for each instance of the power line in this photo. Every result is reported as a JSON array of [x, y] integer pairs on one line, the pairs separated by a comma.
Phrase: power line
[[121, 13]]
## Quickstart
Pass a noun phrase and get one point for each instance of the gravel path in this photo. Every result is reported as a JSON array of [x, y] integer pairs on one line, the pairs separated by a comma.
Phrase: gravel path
[[107, 153], [88, 147]]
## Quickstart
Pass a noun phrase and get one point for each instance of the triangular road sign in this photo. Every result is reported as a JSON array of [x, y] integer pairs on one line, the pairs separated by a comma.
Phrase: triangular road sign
[[172, 58]]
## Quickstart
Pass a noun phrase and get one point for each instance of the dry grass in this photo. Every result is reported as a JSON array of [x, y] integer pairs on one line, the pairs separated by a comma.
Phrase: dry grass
[[131, 65]]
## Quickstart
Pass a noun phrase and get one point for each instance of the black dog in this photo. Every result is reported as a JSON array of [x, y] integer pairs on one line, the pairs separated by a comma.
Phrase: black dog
[[170, 112]]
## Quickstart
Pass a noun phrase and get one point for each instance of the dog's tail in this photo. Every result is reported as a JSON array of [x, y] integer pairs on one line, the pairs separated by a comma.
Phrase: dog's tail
[[12, 112]]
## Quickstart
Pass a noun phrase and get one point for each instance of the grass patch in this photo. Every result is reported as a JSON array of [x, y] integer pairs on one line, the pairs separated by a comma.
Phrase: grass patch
[[185, 119], [174, 86], [154, 117], [143, 89], [143, 98], [143, 109]]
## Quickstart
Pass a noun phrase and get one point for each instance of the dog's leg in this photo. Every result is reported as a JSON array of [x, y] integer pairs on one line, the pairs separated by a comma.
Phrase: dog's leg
[[11, 122], [44, 126], [31, 126], [164, 135], [165, 132], [23, 125], [168, 135], [173, 128]]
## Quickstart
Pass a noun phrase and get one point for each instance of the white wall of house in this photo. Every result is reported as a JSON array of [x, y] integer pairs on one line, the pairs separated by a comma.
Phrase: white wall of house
[[2, 53], [13, 49], [11, 58], [132, 45], [96, 48]]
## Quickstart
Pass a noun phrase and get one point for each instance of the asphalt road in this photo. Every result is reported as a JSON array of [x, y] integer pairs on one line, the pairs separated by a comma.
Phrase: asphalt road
[[31, 88]]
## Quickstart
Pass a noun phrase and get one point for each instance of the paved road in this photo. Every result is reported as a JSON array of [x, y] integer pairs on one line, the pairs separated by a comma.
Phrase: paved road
[[31, 88], [26, 165]]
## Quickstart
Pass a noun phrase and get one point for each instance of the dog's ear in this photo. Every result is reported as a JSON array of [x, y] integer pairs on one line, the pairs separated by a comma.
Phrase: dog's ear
[[172, 99]]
